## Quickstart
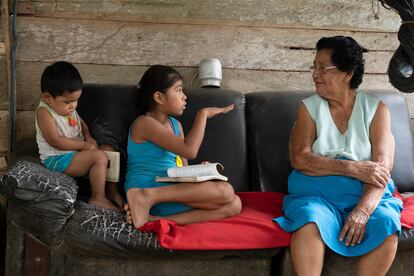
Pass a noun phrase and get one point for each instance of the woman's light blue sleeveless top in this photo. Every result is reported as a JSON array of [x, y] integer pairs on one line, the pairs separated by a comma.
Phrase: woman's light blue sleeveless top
[[147, 160], [354, 144]]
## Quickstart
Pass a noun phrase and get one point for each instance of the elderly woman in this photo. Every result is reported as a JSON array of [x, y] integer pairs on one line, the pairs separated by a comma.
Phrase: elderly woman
[[342, 151]]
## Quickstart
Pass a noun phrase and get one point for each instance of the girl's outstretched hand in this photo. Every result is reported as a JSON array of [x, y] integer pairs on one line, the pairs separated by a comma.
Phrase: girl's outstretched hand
[[213, 111]]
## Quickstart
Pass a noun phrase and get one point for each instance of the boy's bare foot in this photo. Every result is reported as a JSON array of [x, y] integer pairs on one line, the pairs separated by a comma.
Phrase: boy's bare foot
[[139, 206], [103, 203]]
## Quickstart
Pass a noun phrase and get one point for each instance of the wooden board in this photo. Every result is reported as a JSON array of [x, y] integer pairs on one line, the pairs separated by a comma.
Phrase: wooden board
[[118, 43], [2, 49], [320, 14], [4, 93], [25, 132]]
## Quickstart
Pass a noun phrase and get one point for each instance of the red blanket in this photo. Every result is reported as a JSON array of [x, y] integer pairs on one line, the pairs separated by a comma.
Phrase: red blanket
[[252, 229], [407, 215]]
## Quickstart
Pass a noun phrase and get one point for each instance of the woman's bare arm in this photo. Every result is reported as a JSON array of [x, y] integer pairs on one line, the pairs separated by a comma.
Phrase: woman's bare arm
[[382, 150], [300, 149], [304, 160]]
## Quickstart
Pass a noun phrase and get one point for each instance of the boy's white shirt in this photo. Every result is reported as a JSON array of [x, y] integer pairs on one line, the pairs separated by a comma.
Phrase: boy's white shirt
[[64, 129]]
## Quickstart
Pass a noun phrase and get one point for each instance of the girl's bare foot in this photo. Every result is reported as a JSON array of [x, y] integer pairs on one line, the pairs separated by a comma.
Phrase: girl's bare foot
[[139, 206], [128, 217], [102, 203]]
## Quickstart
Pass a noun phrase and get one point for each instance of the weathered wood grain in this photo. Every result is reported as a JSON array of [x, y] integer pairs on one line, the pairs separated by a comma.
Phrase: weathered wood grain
[[2, 49], [25, 131], [336, 14], [24, 7], [120, 43]]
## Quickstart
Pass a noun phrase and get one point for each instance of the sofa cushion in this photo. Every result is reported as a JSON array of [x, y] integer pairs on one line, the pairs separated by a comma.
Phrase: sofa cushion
[[45, 198], [270, 117], [103, 232]]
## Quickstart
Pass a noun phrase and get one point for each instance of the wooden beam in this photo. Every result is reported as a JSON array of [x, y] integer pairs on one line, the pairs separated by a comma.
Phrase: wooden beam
[[5, 20]]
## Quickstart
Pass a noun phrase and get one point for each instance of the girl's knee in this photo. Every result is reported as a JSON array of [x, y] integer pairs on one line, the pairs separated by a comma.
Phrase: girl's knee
[[225, 190], [233, 208], [236, 206]]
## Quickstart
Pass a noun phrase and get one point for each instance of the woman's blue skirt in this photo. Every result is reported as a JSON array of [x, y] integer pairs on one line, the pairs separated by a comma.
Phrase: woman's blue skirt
[[327, 202]]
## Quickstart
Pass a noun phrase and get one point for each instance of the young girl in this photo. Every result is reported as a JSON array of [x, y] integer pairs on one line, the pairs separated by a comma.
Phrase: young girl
[[156, 143]]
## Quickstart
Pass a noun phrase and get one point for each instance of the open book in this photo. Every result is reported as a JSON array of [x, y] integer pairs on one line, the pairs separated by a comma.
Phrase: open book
[[114, 159], [194, 173]]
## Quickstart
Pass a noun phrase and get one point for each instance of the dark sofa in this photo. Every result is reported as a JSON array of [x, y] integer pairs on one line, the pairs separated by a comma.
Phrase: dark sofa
[[52, 231]]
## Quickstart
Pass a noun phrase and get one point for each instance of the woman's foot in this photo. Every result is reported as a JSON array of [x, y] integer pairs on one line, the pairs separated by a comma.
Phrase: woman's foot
[[139, 206]]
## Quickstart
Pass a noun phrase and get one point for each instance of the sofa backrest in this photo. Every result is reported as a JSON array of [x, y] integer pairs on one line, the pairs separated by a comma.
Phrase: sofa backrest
[[225, 136], [110, 111], [270, 117]]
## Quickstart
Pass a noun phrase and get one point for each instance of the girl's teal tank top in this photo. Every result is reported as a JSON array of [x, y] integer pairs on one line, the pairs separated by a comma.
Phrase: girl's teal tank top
[[147, 160]]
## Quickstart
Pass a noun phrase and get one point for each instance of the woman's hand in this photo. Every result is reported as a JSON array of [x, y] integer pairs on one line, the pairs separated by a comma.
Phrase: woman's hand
[[213, 111], [354, 227], [373, 173]]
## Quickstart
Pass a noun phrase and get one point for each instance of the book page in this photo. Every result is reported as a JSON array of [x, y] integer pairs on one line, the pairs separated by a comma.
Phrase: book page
[[112, 173], [195, 170]]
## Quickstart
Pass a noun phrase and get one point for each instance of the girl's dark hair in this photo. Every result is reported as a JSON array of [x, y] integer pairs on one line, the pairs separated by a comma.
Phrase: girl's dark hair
[[60, 77], [346, 56], [156, 78]]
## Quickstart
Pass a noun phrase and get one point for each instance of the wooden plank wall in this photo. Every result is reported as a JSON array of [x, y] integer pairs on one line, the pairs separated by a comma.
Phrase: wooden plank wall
[[262, 44]]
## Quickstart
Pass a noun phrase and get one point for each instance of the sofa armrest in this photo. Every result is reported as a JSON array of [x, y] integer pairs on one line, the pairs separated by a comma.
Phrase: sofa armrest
[[42, 200]]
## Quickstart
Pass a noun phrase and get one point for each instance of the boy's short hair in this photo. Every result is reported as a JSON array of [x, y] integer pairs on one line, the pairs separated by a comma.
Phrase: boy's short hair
[[60, 77]]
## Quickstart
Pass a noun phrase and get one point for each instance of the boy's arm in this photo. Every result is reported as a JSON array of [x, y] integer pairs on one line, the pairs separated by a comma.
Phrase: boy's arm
[[87, 134], [49, 130]]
